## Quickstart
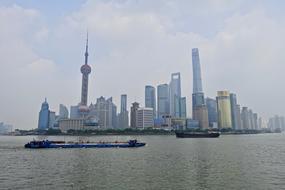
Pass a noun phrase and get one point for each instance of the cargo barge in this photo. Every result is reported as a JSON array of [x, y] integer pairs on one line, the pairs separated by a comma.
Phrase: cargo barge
[[187, 134], [62, 144]]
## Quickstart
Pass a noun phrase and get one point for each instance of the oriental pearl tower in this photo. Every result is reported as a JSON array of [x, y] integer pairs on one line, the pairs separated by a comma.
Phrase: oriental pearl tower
[[85, 70]]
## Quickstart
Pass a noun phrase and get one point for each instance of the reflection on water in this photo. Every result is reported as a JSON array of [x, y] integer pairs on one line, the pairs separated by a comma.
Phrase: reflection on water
[[229, 162]]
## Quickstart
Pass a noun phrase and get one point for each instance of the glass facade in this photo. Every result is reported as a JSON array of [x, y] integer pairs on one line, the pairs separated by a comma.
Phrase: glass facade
[[234, 115], [212, 110], [183, 107], [162, 100], [224, 109], [150, 98], [175, 95], [44, 116], [197, 79]]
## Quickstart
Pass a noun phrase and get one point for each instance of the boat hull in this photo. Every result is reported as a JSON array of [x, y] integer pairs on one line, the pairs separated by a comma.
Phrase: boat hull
[[48, 144], [196, 135]]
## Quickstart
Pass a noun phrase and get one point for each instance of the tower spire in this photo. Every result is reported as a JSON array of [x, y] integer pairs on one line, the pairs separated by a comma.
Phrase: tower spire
[[86, 51]]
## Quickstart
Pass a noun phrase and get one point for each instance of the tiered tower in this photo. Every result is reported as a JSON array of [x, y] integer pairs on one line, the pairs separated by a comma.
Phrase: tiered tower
[[85, 70]]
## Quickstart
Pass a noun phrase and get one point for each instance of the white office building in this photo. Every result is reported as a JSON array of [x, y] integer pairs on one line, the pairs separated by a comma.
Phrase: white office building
[[145, 118]]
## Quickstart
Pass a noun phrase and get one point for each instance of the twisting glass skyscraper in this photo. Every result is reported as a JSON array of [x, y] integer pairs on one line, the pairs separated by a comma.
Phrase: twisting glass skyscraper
[[199, 108], [197, 79]]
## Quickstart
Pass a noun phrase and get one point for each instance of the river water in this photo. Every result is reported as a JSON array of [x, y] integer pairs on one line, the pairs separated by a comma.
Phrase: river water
[[228, 162]]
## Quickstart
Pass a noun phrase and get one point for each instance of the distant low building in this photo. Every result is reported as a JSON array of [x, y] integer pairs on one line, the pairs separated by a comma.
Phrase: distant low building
[[5, 128], [77, 124], [192, 124], [178, 123], [276, 123]]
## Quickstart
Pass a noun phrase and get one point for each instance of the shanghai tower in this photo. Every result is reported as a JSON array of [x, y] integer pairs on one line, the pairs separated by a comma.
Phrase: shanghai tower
[[199, 108], [197, 79], [85, 70]]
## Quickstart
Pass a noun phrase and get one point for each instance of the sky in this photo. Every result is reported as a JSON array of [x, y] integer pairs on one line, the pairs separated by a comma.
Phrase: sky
[[133, 43]]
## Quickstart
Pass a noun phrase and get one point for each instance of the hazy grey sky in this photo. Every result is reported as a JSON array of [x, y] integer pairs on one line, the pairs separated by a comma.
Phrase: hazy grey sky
[[134, 43]]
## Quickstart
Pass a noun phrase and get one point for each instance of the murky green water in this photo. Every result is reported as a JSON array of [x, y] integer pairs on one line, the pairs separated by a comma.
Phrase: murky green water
[[228, 162]]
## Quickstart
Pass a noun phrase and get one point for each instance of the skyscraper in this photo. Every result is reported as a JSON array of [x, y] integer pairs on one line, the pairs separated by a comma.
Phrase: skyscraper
[[239, 121], [255, 121], [199, 108], [212, 111], [150, 98], [233, 100], [251, 122], [183, 112], [224, 109], [175, 95], [85, 70], [44, 116], [124, 114], [114, 115], [63, 112], [134, 108], [197, 78], [52, 119], [123, 103], [104, 110], [162, 100], [245, 118]]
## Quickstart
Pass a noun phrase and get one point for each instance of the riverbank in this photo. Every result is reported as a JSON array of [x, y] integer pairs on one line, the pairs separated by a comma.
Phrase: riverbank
[[129, 132]]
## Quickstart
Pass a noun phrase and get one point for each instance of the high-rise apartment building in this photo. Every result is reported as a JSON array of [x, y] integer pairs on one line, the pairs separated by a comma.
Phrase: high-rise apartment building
[[234, 111], [255, 121], [238, 116], [245, 118], [251, 120]]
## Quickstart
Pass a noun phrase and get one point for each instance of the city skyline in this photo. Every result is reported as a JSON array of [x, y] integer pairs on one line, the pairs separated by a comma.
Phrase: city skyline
[[45, 60]]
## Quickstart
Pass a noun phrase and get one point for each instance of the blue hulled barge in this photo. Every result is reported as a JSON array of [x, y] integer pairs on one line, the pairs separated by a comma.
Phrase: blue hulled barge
[[62, 144]]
